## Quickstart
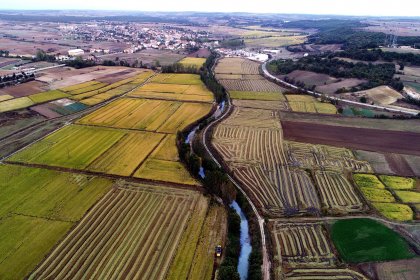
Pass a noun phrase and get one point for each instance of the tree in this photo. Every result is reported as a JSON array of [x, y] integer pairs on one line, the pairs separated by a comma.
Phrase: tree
[[228, 273], [363, 99]]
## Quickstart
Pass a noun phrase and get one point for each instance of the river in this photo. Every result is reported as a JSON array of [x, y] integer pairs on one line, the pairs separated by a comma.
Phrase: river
[[245, 243]]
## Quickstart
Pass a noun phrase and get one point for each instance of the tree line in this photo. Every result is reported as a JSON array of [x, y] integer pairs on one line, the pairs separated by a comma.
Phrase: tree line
[[375, 74], [378, 54]]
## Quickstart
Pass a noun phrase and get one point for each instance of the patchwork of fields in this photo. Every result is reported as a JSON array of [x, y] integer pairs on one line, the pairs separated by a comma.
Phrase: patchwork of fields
[[289, 181], [78, 220]]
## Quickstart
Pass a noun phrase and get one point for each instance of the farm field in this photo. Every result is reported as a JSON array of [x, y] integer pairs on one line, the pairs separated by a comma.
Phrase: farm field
[[180, 79], [195, 62], [382, 95], [35, 214], [301, 245], [148, 56], [326, 274], [274, 41], [384, 192], [14, 104], [147, 114], [252, 95], [251, 85], [309, 104], [47, 96], [133, 231], [377, 140], [237, 66], [402, 269], [337, 194], [260, 104], [363, 240]]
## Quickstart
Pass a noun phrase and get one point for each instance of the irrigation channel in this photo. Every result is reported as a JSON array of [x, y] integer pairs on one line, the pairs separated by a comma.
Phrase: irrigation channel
[[245, 242]]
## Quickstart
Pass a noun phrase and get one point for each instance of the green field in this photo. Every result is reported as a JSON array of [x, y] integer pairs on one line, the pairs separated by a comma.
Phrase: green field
[[408, 197], [14, 104], [37, 208], [251, 95], [368, 180], [398, 183], [395, 211], [47, 96], [365, 240], [74, 146], [195, 62], [377, 195]]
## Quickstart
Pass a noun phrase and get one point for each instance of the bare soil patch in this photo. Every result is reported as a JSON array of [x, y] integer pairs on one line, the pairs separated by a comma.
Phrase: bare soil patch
[[354, 138], [25, 89], [345, 83], [399, 165], [311, 78]]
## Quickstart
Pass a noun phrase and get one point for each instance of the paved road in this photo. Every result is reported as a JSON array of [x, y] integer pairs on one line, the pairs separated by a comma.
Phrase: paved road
[[266, 260], [332, 98]]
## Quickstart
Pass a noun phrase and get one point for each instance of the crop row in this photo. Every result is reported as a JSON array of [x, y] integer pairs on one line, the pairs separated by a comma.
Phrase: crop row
[[337, 193], [237, 66], [303, 245], [130, 233], [251, 85]]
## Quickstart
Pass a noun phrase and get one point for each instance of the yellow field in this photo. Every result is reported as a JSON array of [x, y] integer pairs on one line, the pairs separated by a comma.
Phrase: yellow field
[[395, 211], [192, 61], [377, 195], [251, 95], [162, 170], [133, 113], [79, 86], [408, 197], [5, 97], [167, 149], [185, 253], [180, 79], [120, 159], [186, 114], [309, 104], [368, 180], [275, 41], [174, 92], [47, 96], [14, 104], [398, 183]]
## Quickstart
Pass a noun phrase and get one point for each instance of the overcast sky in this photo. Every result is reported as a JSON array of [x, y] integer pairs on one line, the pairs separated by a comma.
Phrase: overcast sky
[[340, 7]]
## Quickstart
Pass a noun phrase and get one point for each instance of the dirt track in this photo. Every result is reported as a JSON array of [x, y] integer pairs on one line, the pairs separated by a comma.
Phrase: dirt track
[[354, 138]]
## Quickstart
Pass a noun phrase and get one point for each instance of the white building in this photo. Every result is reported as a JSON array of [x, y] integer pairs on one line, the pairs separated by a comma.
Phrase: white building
[[76, 52]]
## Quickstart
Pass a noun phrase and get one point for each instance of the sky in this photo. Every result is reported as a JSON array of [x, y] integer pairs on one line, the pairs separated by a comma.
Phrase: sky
[[338, 7]]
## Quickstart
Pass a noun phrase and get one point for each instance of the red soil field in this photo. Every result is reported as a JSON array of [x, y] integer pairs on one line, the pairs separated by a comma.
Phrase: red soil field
[[353, 138], [399, 165], [25, 89]]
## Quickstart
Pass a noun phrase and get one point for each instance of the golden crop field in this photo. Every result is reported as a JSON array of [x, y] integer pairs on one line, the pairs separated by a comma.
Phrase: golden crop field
[[180, 79], [47, 96], [195, 62], [79, 86], [309, 104], [133, 232]]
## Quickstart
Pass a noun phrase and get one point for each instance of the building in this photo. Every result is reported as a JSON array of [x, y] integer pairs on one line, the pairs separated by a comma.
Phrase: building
[[76, 52]]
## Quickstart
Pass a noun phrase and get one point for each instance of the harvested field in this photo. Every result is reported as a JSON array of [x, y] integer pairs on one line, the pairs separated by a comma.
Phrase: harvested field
[[361, 138], [382, 95], [282, 191], [25, 89], [5, 97], [325, 274], [301, 245], [258, 104], [252, 95], [133, 232], [15, 104], [337, 194], [239, 77], [237, 66], [311, 156], [148, 56], [251, 85], [364, 240], [163, 170], [10, 122]]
